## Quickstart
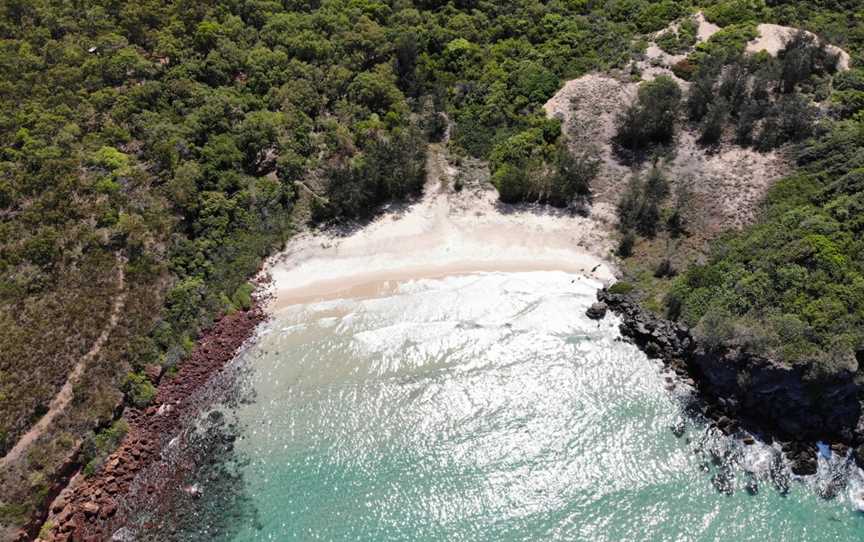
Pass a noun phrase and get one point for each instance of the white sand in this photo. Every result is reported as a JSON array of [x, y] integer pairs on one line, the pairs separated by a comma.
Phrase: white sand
[[773, 38], [706, 29], [445, 233]]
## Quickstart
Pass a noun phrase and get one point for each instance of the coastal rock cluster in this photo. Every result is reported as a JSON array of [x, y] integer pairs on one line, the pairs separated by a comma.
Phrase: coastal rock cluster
[[781, 401], [91, 509]]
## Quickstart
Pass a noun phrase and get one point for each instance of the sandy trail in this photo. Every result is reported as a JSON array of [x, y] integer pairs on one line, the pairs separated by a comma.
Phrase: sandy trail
[[65, 395], [444, 233]]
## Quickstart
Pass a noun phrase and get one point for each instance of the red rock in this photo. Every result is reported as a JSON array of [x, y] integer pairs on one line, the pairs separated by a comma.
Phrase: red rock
[[90, 508], [65, 515], [59, 504], [108, 509]]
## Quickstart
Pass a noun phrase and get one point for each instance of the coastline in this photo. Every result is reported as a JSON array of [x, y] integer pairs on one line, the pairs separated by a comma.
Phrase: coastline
[[773, 404], [92, 508]]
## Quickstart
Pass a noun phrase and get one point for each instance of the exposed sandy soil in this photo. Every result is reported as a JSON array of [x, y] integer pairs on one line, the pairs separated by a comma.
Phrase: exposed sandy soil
[[444, 233], [727, 185], [706, 29], [772, 38]]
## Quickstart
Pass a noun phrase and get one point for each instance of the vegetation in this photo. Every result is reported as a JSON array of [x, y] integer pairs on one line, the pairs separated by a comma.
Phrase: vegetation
[[681, 39], [166, 143], [792, 285], [96, 449], [152, 153], [139, 390], [650, 121]]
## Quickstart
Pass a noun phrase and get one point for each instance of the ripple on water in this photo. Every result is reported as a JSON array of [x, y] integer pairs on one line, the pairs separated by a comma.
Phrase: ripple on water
[[488, 407]]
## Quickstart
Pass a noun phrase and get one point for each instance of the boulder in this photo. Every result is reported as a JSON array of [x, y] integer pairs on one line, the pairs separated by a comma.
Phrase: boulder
[[153, 372], [597, 311]]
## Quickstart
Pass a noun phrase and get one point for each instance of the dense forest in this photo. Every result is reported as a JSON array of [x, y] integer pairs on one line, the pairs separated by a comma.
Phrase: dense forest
[[152, 153]]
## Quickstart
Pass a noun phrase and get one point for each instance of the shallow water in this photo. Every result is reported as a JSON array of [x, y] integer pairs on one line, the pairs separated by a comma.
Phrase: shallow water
[[487, 407]]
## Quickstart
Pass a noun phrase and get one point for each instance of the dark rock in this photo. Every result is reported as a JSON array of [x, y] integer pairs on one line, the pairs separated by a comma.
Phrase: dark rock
[[597, 311], [859, 456], [769, 394], [804, 465], [108, 509], [723, 482], [840, 449]]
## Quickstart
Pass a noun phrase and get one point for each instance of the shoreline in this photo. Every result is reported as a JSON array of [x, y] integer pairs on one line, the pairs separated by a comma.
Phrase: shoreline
[[794, 419], [93, 508], [444, 232]]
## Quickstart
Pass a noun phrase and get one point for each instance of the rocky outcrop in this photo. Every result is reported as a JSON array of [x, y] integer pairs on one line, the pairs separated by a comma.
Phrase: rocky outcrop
[[783, 401], [90, 509]]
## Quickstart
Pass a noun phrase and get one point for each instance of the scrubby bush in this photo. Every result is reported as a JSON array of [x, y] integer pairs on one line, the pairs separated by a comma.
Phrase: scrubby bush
[[621, 288], [677, 42], [727, 12], [139, 390], [798, 274], [625, 245], [651, 119], [242, 298], [97, 447], [801, 58], [639, 206]]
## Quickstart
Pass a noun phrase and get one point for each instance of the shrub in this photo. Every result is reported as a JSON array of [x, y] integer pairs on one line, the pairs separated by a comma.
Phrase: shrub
[[684, 69], [678, 42], [573, 176], [726, 12], [242, 297], [711, 129], [621, 288], [651, 119], [625, 245], [512, 183], [139, 390], [639, 207]]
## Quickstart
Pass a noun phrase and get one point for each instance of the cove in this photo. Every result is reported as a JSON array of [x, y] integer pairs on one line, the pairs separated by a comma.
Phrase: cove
[[479, 406]]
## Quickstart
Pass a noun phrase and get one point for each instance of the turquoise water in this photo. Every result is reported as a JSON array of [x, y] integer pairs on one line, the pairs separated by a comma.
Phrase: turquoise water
[[483, 408]]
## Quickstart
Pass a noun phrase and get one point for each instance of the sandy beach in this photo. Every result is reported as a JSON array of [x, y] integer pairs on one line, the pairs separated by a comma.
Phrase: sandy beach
[[445, 232]]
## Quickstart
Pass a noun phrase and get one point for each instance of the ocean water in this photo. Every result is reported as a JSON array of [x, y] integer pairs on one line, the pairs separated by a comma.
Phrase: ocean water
[[485, 407]]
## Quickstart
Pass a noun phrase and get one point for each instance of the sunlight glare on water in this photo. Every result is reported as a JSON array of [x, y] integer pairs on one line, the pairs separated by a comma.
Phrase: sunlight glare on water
[[488, 407]]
